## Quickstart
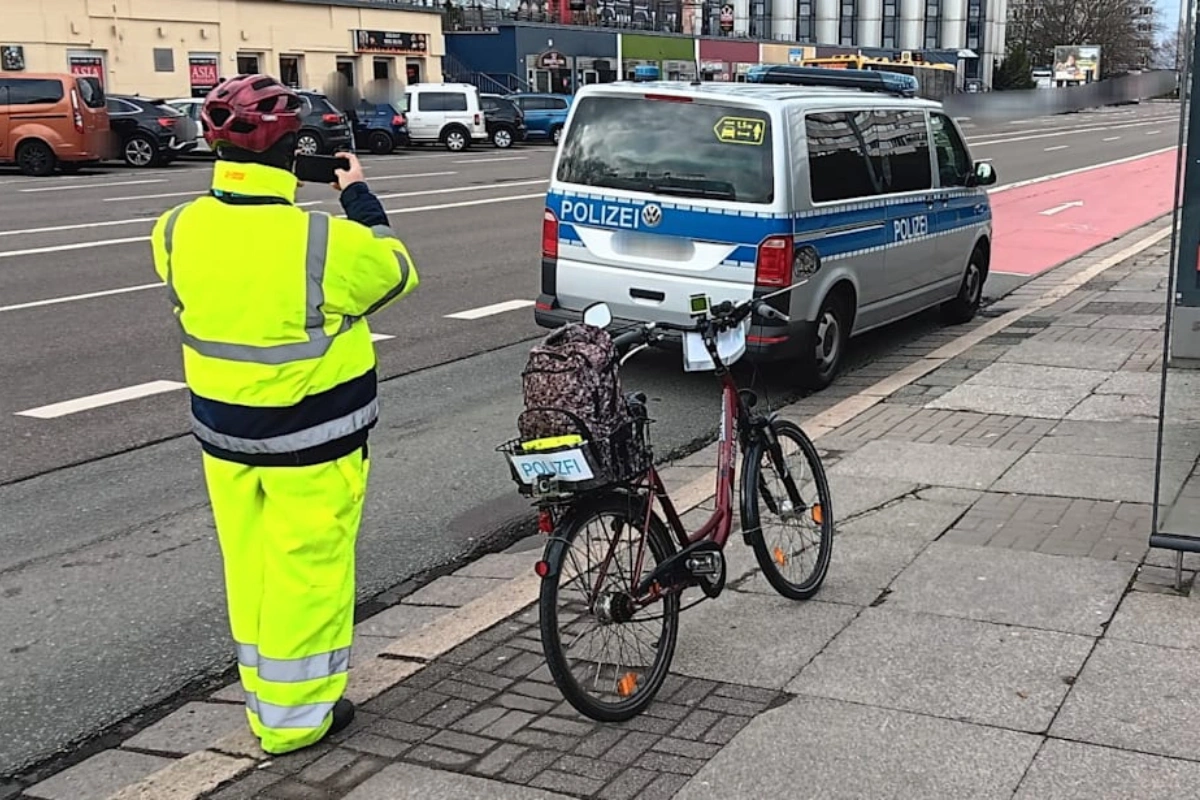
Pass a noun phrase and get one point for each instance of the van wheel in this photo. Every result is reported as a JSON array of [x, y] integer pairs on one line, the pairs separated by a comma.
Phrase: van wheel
[[556, 133], [456, 139], [821, 359], [36, 159], [965, 304], [380, 143]]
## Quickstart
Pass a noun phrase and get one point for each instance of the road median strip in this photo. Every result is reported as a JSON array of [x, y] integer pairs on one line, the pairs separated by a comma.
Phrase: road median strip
[[237, 753]]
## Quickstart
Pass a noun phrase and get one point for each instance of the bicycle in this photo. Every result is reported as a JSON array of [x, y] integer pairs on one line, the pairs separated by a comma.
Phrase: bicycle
[[574, 491]]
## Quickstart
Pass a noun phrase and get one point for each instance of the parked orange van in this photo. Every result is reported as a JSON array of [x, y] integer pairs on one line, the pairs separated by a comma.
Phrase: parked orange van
[[52, 121]]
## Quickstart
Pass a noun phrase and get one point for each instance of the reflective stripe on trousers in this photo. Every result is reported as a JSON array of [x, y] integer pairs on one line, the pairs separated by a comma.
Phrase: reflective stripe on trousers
[[285, 717], [294, 670]]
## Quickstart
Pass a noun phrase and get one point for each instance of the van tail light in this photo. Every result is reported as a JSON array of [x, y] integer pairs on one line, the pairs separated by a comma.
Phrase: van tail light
[[76, 113], [478, 118], [549, 235], [774, 267], [332, 119]]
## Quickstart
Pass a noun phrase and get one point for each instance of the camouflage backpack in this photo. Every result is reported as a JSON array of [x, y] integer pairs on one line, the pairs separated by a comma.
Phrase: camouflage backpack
[[571, 386]]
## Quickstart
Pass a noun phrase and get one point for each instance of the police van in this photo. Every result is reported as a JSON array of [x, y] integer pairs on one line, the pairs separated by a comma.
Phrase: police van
[[839, 182]]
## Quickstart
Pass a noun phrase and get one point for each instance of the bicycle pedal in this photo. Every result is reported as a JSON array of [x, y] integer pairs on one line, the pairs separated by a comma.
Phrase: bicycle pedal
[[706, 564]]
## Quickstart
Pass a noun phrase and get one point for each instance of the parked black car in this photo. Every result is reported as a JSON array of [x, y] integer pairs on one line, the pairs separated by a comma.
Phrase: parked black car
[[505, 122], [151, 133], [379, 127], [324, 130]]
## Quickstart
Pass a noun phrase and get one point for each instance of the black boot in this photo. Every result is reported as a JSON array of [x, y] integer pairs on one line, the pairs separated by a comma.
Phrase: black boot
[[343, 715]]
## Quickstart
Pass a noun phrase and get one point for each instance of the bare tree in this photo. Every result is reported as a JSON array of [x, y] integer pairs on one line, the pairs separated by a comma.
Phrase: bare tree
[[1126, 30]]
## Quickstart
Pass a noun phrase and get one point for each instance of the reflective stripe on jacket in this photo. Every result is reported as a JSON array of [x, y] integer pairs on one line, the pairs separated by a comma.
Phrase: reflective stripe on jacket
[[270, 301]]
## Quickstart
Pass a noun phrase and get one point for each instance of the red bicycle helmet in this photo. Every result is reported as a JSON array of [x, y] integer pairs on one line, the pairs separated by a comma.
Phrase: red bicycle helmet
[[251, 112]]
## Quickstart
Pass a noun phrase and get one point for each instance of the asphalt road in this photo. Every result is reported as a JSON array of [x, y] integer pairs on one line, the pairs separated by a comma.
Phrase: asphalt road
[[110, 588]]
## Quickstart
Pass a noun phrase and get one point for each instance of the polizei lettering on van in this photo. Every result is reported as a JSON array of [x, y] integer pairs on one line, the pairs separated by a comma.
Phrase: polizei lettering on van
[[601, 214]]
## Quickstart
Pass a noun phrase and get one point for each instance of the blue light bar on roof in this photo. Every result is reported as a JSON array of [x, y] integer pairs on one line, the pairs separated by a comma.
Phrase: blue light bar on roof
[[866, 80]]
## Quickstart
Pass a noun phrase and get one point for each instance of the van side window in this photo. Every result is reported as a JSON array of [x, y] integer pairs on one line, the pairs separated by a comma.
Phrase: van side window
[[33, 91], [902, 150], [91, 91], [838, 163], [953, 164], [441, 101]]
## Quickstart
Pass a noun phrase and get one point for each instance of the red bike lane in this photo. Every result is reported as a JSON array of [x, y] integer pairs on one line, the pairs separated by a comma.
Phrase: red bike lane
[[1040, 226]]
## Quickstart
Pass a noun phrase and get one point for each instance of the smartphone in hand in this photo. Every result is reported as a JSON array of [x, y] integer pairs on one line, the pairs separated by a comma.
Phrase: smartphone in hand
[[318, 169]]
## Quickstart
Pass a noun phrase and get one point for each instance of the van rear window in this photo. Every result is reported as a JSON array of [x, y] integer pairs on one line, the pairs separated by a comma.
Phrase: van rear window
[[91, 91], [685, 149]]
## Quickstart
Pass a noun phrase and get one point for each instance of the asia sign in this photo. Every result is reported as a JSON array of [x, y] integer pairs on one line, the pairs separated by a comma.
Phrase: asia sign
[[391, 42], [202, 74], [1079, 63], [87, 66]]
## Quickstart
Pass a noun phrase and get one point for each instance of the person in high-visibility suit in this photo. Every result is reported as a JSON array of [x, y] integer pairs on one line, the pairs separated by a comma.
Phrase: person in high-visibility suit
[[271, 303]]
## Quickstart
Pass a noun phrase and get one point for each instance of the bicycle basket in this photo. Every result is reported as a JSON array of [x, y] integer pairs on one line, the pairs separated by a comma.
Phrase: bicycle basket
[[578, 462]]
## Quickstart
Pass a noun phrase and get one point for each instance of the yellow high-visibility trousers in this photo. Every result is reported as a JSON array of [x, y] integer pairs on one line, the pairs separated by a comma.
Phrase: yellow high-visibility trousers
[[287, 537]]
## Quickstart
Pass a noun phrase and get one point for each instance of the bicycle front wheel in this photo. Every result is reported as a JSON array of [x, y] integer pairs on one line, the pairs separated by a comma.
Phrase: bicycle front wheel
[[607, 654], [787, 511]]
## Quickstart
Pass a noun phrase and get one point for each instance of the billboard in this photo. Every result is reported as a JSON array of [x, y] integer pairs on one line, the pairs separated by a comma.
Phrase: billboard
[[1075, 62]]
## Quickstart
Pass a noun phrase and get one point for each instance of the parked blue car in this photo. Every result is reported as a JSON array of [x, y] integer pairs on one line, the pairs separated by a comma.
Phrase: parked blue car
[[545, 114], [379, 127]]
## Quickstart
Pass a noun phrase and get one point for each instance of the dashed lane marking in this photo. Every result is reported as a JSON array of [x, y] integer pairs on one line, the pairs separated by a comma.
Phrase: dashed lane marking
[[76, 186], [487, 311], [102, 399]]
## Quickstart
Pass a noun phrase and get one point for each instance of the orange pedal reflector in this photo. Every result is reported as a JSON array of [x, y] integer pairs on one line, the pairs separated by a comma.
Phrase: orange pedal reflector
[[627, 685], [818, 514], [780, 557]]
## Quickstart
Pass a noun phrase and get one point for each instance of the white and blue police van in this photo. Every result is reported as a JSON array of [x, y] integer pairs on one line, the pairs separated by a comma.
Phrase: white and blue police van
[[839, 182]]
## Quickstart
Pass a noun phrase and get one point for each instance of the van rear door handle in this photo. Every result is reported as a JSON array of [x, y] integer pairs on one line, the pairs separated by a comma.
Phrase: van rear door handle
[[646, 294]]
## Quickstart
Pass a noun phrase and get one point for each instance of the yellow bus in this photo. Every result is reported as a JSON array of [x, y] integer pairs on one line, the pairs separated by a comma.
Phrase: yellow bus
[[934, 81]]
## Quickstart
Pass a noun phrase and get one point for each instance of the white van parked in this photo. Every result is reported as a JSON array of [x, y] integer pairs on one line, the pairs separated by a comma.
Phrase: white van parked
[[450, 114], [837, 182]]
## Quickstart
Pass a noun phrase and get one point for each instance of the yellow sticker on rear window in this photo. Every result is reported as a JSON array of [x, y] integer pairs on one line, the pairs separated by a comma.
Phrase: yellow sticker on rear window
[[740, 130]]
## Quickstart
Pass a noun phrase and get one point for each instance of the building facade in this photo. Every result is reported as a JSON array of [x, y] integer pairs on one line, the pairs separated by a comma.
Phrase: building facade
[[177, 48]]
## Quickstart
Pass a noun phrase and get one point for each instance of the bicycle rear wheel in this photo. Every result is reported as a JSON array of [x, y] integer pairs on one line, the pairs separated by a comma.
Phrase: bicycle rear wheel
[[792, 535], [608, 656]]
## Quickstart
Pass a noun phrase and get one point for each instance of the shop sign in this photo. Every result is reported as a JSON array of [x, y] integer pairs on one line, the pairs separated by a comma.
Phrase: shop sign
[[12, 57], [87, 66], [726, 18], [795, 55], [397, 42], [552, 59], [202, 74]]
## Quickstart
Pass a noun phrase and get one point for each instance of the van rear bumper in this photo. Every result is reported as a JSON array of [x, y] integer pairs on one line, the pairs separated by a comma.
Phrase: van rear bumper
[[764, 345]]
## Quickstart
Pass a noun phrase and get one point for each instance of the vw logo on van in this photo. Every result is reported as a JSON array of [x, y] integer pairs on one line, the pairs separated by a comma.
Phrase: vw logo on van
[[651, 215]]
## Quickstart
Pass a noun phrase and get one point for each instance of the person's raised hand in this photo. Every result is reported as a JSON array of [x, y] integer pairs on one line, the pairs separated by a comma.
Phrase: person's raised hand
[[351, 176]]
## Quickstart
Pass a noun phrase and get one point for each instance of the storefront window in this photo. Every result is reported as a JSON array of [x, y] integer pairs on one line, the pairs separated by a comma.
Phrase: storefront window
[[249, 63], [289, 71]]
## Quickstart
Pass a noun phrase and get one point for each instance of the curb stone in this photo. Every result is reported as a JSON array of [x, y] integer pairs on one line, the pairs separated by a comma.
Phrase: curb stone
[[198, 773]]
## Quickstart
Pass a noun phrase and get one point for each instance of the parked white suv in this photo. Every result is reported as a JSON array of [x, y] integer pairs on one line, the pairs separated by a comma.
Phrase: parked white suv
[[449, 113]]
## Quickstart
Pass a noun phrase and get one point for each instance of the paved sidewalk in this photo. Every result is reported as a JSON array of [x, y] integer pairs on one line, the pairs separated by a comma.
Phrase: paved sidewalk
[[992, 624]]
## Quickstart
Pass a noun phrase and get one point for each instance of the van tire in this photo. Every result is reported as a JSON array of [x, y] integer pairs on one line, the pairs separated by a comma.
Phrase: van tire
[[965, 304], [828, 336], [381, 143], [36, 159], [556, 133], [456, 138]]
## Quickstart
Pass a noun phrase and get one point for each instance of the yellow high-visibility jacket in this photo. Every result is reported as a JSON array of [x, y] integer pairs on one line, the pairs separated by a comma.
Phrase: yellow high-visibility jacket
[[270, 300]]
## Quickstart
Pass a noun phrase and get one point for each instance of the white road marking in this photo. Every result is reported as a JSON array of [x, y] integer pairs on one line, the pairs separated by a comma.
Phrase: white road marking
[[1151, 133], [1066, 132], [88, 296], [487, 311], [199, 192], [103, 399], [1056, 147], [75, 186], [381, 337], [1111, 139], [466, 203], [410, 175], [60, 248], [77, 226], [458, 189], [1050, 212], [1044, 178], [491, 160], [192, 193]]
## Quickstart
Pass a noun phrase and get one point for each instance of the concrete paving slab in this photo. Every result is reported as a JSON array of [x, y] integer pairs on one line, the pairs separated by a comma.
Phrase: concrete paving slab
[[1016, 402], [1091, 477], [862, 566], [910, 517], [452, 591], [99, 776], [932, 464], [852, 495], [763, 640], [1055, 593], [1131, 322], [1135, 697], [410, 782], [1075, 771], [399, 620], [1147, 384], [1116, 408], [1125, 439], [953, 668], [1158, 619], [193, 727], [499, 565], [1066, 354], [836, 751], [1050, 379]]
